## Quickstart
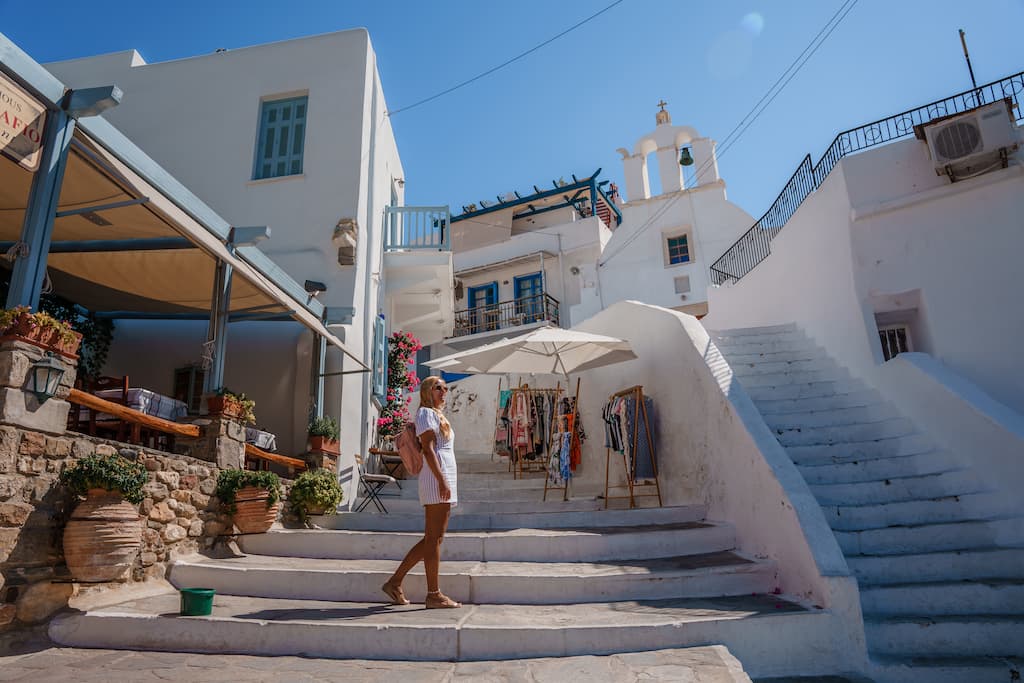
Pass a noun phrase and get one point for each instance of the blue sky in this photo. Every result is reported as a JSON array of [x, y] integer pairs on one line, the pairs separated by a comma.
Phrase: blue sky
[[566, 108]]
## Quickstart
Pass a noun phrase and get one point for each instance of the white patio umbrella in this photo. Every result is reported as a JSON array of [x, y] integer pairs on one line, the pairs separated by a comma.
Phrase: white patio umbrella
[[547, 350]]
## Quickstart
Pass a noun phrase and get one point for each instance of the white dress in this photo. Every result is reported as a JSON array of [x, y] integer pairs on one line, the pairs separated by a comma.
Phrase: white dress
[[430, 493]]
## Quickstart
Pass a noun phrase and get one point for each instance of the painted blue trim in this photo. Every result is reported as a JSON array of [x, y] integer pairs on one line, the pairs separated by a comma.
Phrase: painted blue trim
[[233, 318], [518, 281], [93, 101], [491, 287], [30, 74], [37, 228], [321, 379], [581, 185], [281, 130], [92, 246], [452, 377], [278, 276], [380, 359], [611, 205], [339, 315], [217, 332]]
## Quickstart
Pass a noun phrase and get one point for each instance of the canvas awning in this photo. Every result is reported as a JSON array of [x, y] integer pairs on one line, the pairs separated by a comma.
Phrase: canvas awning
[[139, 250]]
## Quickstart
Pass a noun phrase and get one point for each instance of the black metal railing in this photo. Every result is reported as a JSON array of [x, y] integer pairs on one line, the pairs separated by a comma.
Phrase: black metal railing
[[755, 244], [506, 314]]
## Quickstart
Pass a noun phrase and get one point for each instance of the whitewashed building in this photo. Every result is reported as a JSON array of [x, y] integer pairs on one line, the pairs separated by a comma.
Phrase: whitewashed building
[[295, 136]]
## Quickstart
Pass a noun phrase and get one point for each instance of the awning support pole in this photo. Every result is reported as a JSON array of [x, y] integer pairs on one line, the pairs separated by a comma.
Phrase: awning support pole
[[218, 330], [36, 231]]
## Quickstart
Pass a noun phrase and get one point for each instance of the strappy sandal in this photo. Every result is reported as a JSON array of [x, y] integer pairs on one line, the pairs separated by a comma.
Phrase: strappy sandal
[[438, 600], [395, 594]]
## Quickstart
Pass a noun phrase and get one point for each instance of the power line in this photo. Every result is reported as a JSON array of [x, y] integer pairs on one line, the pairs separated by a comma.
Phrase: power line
[[507, 62], [755, 112]]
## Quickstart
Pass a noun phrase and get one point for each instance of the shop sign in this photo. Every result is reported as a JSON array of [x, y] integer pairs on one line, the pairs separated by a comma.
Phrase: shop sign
[[21, 124]]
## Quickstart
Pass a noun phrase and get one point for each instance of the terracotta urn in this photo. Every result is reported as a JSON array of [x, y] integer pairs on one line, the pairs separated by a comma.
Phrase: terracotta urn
[[219, 405], [102, 537], [252, 515]]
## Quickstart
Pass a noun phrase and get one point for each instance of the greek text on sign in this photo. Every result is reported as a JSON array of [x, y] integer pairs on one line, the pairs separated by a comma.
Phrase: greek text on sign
[[21, 124]]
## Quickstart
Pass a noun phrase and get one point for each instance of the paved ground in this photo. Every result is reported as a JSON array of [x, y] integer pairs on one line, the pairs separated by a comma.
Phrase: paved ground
[[32, 657]]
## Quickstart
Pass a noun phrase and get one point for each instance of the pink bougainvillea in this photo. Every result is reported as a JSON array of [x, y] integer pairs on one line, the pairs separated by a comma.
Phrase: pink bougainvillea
[[402, 348]]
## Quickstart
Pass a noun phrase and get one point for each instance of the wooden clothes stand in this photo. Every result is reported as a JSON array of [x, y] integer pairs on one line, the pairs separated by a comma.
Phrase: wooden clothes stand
[[569, 426], [639, 416]]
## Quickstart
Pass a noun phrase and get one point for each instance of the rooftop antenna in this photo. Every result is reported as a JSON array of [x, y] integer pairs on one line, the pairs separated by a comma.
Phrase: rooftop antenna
[[970, 69]]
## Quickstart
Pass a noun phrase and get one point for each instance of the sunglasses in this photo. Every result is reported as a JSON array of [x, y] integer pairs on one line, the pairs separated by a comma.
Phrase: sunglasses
[[440, 387]]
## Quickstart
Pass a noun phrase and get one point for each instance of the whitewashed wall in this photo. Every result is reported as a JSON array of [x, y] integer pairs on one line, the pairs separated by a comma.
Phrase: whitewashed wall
[[714, 448], [884, 232], [633, 267], [348, 138]]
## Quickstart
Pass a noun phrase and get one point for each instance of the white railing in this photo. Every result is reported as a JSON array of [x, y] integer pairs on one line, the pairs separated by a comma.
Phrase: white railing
[[417, 227]]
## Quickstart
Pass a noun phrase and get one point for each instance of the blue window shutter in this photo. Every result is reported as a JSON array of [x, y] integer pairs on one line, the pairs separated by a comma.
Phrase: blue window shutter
[[380, 360], [281, 142]]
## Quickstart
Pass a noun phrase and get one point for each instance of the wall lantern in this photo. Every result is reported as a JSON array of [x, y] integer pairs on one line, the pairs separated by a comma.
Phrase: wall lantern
[[684, 157], [46, 375]]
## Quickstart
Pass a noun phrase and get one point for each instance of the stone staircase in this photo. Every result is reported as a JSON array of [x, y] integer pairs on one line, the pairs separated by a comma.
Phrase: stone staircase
[[939, 561], [555, 579]]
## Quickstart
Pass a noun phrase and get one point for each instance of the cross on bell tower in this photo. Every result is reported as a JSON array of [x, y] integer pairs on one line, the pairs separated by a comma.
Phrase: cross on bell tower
[[662, 116]]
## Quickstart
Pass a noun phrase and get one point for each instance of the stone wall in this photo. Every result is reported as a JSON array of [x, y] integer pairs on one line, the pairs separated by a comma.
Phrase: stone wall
[[182, 516]]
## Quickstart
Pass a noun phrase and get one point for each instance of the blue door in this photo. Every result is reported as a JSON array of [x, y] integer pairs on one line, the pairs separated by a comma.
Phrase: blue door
[[529, 291], [483, 306]]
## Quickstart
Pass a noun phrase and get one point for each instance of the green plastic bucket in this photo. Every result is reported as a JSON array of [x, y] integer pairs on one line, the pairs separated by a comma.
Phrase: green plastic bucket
[[196, 602]]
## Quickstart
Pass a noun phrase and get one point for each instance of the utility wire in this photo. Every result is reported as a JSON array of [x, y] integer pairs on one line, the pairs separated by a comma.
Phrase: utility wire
[[507, 62], [734, 135]]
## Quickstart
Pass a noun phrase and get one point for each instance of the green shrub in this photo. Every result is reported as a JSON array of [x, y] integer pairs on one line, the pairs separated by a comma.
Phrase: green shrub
[[229, 482], [326, 427], [315, 488], [109, 472], [246, 406]]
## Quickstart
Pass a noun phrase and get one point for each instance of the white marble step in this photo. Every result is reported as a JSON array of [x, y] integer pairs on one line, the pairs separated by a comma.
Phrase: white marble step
[[990, 596], [856, 397], [788, 378], [943, 669], [973, 506], [524, 545], [878, 412], [518, 583], [748, 331], [900, 540], [971, 565], [805, 353], [769, 634], [802, 391], [898, 489], [760, 340], [368, 521], [894, 447], [970, 635], [843, 434], [524, 504], [473, 494], [931, 462], [753, 368]]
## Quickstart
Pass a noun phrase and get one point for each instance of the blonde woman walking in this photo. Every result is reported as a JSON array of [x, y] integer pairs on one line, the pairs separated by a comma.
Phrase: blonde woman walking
[[438, 482]]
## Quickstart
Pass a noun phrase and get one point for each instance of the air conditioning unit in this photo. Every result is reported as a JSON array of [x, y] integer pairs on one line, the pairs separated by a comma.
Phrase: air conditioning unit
[[973, 142]]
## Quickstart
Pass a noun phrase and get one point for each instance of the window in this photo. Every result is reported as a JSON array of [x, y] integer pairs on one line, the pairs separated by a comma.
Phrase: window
[[678, 249], [481, 318], [529, 292], [895, 340], [380, 360], [188, 386], [281, 140]]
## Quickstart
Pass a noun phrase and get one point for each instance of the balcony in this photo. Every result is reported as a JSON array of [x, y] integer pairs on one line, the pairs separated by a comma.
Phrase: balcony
[[417, 271], [507, 315]]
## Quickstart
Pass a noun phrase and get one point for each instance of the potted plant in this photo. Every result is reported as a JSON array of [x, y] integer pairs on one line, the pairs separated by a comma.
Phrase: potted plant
[[40, 329], [315, 492], [105, 530], [228, 403], [252, 498], [324, 433]]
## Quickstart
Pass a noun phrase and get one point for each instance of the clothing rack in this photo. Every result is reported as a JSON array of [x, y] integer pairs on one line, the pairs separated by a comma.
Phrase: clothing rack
[[517, 464], [567, 426], [640, 417]]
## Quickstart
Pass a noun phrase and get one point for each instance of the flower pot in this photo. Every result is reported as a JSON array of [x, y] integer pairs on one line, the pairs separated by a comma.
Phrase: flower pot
[[26, 329], [318, 509], [102, 537], [252, 515], [220, 405], [322, 443]]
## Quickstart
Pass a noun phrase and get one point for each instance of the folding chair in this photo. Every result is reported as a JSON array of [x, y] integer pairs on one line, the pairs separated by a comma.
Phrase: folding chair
[[390, 463], [372, 484]]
